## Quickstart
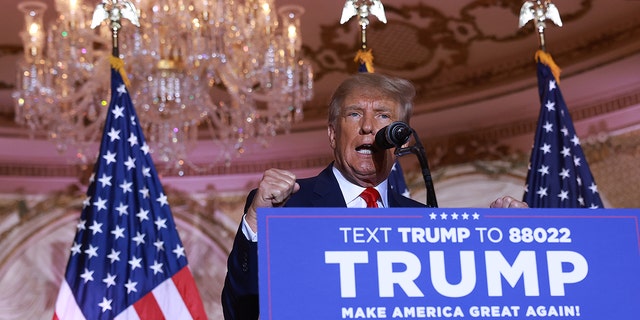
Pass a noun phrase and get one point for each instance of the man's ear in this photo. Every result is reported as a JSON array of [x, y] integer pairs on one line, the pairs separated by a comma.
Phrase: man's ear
[[331, 132]]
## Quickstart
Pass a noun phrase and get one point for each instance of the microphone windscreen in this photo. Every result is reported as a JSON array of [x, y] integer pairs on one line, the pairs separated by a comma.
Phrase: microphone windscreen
[[394, 135]]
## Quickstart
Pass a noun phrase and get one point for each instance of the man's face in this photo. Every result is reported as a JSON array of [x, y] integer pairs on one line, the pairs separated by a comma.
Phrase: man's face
[[363, 113]]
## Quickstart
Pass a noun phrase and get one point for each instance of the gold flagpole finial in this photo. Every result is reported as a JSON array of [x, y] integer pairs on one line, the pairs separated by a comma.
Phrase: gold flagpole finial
[[539, 11], [114, 11], [363, 8]]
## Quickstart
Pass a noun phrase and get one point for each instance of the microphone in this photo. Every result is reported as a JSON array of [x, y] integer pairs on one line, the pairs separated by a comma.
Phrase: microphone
[[394, 135]]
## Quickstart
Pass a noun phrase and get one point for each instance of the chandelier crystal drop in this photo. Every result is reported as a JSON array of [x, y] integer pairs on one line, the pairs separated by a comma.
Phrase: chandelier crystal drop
[[224, 70]]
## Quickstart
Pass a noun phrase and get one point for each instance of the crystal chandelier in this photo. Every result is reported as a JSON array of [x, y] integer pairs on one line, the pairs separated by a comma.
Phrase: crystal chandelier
[[224, 70]]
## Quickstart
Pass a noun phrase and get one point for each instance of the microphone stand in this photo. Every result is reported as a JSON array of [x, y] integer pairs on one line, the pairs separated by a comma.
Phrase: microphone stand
[[418, 150]]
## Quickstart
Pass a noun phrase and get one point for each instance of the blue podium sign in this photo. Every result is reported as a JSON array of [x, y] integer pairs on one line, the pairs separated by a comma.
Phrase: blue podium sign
[[338, 263]]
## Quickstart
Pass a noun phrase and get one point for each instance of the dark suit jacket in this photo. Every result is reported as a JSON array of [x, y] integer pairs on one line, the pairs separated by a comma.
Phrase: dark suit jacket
[[240, 292]]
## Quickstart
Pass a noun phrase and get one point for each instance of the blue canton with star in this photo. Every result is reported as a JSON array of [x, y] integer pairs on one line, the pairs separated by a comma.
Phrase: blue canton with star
[[559, 176]]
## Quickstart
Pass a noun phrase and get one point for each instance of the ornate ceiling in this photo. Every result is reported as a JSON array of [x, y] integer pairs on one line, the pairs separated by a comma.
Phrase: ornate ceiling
[[472, 66]]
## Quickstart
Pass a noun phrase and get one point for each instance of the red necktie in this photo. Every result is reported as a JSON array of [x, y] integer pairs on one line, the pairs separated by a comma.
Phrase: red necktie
[[370, 196]]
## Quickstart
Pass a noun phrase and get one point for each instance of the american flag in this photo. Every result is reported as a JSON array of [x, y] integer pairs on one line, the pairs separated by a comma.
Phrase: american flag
[[127, 260], [559, 176], [397, 181]]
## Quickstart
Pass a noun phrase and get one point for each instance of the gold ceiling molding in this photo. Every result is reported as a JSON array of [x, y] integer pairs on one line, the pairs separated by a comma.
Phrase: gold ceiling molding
[[433, 49], [482, 144], [422, 40], [47, 170], [485, 144]]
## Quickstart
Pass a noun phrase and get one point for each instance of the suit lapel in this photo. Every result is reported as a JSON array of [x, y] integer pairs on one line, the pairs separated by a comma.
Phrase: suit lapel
[[393, 198], [327, 190]]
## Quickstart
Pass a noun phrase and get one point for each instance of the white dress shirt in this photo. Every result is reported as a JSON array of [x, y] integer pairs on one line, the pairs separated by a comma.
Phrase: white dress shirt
[[351, 192]]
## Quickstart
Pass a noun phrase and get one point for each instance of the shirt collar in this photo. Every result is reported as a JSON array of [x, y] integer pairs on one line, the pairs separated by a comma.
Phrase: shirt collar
[[351, 192]]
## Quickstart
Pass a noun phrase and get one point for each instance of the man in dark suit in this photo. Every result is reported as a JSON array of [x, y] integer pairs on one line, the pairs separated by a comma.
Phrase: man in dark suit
[[360, 106]]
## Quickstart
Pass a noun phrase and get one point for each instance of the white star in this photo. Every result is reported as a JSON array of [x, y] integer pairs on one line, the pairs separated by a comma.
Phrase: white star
[[443, 216], [433, 215], [130, 163], [118, 111], [576, 161], [476, 216], [121, 89], [563, 195], [135, 263], [96, 227], [145, 192], [145, 148], [546, 148], [552, 85], [131, 286], [92, 251], [139, 238], [565, 131], [87, 275], [92, 177], [544, 170], [105, 180], [122, 208], [465, 216], [146, 172], [565, 174], [566, 152], [179, 251], [156, 267], [114, 134], [110, 280], [126, 186], [82, 225], [579, 180], [542, 192], [594, 206], [105, 304], [581, 200], [110, 157], [86, 202], [548, 127], [575, 140], [454, 216], [118, 232], [143, 215], [76, 249], [550, 105], [133, 139], [593, 187], [162, 200], [101, 204], [133, 120], [161, 223], [114, 255], [159, 244]]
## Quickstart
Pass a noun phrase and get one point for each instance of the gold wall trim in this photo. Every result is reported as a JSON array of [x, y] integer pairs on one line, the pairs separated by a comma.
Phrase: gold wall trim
[[469, 141]]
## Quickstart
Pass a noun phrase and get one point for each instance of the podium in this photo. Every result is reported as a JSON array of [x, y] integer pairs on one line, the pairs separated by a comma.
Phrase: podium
[[418, 263]]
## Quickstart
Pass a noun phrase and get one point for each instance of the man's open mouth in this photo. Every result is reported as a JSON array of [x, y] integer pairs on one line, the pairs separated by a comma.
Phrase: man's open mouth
[[366, 149]]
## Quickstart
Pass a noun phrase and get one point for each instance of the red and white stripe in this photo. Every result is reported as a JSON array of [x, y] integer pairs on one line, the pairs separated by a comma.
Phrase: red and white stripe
[[175, 298]]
